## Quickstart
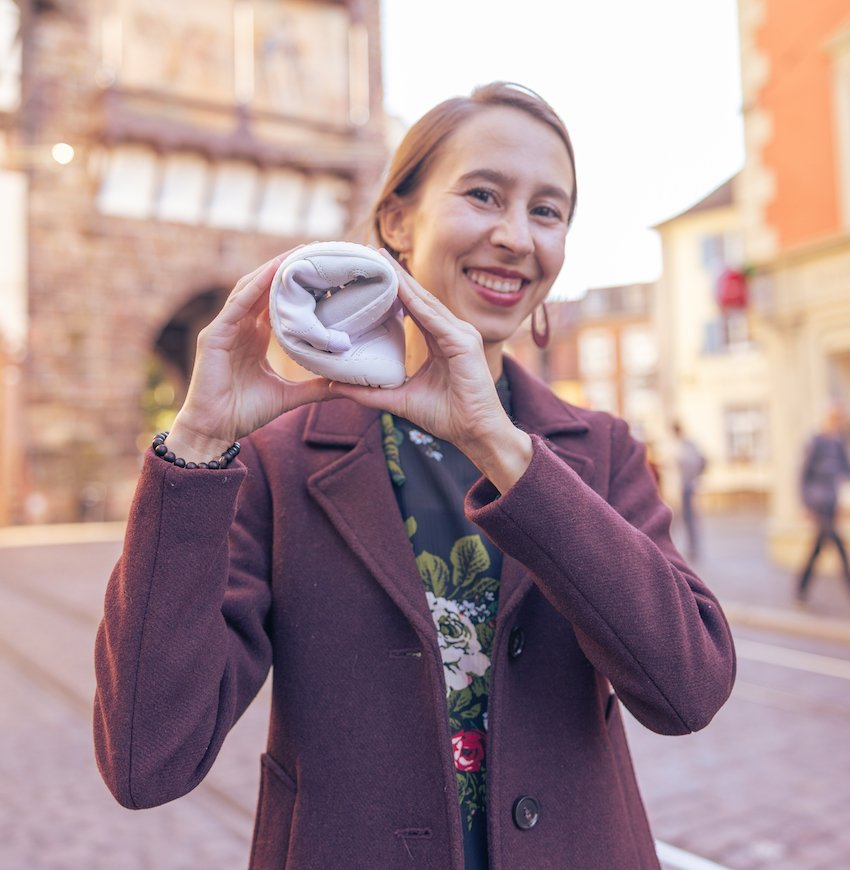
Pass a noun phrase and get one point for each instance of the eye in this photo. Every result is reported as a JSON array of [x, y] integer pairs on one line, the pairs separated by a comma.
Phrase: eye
[[482, 194], [547, 211]]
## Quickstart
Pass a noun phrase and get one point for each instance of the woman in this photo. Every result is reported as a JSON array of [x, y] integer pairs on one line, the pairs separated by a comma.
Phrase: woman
[[447, 578]]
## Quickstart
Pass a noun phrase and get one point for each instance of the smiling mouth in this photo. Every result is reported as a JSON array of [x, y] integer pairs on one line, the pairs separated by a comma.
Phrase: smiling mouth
[[494, 283]]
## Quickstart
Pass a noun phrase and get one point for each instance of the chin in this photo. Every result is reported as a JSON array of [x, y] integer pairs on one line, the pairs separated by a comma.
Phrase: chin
[[492, 335]]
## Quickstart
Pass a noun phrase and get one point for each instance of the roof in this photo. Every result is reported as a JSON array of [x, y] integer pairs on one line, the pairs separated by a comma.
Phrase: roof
[[720, 197]]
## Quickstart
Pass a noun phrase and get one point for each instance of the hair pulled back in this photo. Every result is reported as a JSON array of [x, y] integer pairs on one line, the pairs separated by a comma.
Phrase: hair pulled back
[[425, 140]]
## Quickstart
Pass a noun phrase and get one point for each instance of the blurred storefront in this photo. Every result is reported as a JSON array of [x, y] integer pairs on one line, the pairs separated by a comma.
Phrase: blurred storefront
[[162, 152], [794, 195], [714, 373]]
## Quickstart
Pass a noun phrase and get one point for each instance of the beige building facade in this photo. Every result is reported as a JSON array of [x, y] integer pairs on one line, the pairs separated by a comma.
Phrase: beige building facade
[[714, 371]]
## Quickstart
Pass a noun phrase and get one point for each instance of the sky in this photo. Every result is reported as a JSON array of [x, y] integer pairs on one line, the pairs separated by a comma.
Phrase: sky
[[649, 89]]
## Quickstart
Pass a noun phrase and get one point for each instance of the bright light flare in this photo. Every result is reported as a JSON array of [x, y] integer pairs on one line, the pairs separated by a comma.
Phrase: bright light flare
[[62, 153]]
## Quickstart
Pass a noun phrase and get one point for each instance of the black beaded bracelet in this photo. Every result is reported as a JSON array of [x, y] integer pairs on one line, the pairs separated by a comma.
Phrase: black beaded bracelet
[[164, 453]]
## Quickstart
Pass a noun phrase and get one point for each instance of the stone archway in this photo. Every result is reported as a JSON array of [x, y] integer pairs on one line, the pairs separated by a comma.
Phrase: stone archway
[[172, 357]]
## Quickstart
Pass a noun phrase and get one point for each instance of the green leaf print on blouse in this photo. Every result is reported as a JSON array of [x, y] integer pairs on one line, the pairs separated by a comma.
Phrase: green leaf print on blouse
[[392, 439]]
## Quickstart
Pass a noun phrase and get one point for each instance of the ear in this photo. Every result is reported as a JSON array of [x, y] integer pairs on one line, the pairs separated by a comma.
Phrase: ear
[[395, 220]]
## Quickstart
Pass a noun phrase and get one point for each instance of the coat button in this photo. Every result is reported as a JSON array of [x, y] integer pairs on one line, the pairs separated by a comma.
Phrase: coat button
[[516, 642], [526, 812]]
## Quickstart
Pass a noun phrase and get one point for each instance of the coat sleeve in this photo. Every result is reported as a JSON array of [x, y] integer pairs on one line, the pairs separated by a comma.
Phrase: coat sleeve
[[640, 614], [182, 647]]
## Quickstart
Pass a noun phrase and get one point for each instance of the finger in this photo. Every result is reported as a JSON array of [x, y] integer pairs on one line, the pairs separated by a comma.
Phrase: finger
[[243, 298], [436, 321], [409, 288], [246, 279], [312, 390], [380, 399], [406, 282]]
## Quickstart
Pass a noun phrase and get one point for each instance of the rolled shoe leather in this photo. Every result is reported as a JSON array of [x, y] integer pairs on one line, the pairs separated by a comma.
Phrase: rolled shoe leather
[[334, 310]]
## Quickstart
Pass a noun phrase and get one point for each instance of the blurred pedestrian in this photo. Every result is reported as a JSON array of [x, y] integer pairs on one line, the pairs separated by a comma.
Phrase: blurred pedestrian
[[400, 556], [691, 464], [825, 466]]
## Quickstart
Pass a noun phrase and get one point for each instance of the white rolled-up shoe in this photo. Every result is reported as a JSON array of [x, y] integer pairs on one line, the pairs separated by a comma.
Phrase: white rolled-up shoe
[[334, 310]]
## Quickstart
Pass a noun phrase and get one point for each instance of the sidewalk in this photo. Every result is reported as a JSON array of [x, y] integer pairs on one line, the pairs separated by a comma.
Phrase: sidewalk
[[756, 592], [52, 580]]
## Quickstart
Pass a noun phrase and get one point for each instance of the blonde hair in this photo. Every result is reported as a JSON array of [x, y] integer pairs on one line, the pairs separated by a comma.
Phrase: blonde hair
[[426, 139]]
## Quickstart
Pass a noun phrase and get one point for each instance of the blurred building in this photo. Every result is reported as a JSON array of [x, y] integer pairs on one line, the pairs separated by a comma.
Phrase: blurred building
[[713, 373], [557, 363], [618, 355], [602, 354], [794, 195], [153, 153]]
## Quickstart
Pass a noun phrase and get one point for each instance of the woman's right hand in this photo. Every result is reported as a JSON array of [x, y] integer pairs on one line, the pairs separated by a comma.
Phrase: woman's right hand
[[233, 389]]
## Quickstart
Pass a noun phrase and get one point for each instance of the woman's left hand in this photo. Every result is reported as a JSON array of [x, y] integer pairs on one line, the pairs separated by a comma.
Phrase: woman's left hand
[[452, 396]]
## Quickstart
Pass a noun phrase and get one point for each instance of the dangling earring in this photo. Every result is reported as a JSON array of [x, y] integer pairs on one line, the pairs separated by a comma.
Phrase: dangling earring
[[540, 336]]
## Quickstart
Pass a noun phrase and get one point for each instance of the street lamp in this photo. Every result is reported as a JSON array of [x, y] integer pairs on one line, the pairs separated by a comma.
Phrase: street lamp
[[17, 158], [62, 153]]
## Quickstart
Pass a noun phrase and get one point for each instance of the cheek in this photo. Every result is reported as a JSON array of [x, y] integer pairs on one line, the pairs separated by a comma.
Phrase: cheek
[[552, 254]]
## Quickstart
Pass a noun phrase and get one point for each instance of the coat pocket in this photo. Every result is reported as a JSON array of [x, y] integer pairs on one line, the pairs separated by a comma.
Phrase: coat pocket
[[274, 816]]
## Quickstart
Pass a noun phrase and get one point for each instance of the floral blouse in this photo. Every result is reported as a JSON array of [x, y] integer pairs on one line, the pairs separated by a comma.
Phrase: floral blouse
[[461, 569]]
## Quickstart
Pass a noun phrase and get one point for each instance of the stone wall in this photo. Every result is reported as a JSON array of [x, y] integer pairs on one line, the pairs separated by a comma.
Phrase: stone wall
[[101, 287]]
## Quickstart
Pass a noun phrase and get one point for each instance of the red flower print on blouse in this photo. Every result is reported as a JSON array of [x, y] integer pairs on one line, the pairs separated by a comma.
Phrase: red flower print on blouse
[[468, 749]]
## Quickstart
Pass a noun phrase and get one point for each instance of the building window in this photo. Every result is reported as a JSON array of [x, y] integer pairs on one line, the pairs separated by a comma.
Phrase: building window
[[10, 56], [639, 350], [720, 251], [640, 401], [729, 332], [282, 203], [182, 196], [129, 182], [601, 396], [327, 209], [746, 434], [233, 196], [596, 353]]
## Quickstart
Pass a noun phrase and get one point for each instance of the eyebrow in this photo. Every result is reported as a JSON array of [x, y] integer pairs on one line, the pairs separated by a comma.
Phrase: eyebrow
[[495, 176]]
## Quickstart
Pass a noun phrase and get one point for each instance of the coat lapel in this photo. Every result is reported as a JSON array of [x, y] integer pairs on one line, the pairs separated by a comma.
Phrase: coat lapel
[[355, 492]]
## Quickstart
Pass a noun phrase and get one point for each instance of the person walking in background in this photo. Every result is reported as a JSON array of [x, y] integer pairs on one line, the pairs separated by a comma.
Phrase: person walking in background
[[825, 465], [690, 463]]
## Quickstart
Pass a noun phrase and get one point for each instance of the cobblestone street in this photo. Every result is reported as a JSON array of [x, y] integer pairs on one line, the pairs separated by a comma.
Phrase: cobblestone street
[[761, 787]]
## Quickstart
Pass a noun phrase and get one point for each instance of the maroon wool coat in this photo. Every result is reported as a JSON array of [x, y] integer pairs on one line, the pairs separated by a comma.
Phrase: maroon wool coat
[[313, 574]]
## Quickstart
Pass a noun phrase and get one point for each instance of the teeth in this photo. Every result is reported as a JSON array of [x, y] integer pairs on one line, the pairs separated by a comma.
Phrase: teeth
[[500, 285]]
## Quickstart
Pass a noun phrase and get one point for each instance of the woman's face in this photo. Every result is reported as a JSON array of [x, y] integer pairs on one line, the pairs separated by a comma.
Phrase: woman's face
[[485, 232]]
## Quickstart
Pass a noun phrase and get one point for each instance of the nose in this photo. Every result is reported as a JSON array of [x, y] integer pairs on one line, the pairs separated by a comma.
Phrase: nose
[[513, 231]]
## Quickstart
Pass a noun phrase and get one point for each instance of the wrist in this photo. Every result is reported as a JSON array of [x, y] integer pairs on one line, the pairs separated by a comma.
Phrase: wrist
[[194, 446], [504, 457], [163, 452]]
